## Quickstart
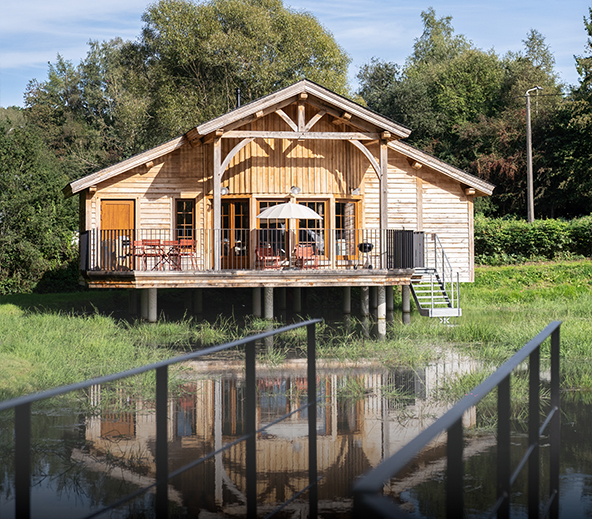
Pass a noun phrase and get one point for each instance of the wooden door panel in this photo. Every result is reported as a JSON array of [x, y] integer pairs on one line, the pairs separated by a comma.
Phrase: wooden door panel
[[117, 224], [117, 214]]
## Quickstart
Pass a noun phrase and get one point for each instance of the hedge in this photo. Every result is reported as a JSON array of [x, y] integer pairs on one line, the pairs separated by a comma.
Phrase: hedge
[[500, 241]]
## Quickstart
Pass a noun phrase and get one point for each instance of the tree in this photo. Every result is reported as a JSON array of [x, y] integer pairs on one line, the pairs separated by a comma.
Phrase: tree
[[35, 222], [467, 106], [445, 83], [197, 55], [125, 97]]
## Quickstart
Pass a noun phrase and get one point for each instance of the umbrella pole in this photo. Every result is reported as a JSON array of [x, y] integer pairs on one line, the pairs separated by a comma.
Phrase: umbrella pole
[[289, 241]]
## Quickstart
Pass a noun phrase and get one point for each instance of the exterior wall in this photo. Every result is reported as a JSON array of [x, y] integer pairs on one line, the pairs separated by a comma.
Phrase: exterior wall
[[176, 175], [424, 200], [419, 199], [271, 167], [448, 213]]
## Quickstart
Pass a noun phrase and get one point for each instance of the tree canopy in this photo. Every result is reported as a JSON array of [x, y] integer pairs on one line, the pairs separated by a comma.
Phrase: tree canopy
[[467, 106], [463, 104]]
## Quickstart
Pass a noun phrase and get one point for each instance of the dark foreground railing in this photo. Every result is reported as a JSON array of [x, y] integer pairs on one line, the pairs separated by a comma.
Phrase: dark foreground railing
[[22, 433], [368, 498]]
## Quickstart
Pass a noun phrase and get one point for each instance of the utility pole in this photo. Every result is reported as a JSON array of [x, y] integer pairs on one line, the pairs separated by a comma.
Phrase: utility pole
[[529, 182]]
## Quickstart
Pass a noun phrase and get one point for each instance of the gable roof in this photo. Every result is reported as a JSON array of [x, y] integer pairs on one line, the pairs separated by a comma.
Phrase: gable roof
[[480, 185], [334, 104], [319, 95], [125, 165]]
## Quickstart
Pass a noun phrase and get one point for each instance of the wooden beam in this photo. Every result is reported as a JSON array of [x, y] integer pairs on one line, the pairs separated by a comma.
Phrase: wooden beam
[[149, 164], [217, 212], [383, 187], [314, 120], [193, 137], [385, 136], [287, 119], [213, 136], [469, 191], [368, 155], [301, 114], [259, 114], [413, 163], [303, 96], [232, 153], [344, 118], [335, 136]]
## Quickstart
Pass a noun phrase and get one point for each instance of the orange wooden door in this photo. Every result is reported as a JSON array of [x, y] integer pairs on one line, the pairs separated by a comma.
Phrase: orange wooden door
[[117, 224], [117, 214]]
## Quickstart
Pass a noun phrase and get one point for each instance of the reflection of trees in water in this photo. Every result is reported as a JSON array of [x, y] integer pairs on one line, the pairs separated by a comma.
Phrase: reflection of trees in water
[[55, 436]]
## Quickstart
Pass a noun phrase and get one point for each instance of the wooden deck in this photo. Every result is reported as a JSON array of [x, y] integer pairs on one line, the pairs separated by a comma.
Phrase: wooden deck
[[248, 278]]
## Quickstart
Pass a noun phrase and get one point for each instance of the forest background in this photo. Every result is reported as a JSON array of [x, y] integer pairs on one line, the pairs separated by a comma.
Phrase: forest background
[[464, 105]]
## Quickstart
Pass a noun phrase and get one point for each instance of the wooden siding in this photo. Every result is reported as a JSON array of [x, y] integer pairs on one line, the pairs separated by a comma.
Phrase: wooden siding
[[423, 199], [176, 175], [443, 209], [446, 212], [272, 166]]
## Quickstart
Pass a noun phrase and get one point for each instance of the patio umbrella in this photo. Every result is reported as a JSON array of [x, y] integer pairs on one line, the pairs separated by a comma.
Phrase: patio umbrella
[[289, 211]]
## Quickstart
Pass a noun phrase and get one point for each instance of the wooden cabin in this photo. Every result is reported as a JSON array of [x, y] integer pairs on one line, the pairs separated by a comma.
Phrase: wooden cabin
[[185, 213]]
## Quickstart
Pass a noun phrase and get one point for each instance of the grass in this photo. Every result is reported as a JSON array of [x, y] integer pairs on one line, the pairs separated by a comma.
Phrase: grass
[[54, 339]]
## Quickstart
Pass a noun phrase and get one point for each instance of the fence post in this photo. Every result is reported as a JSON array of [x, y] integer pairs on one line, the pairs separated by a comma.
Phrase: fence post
[[22, 463], [312, 422], [555, 426], [162, 454], [533, 433], [251, 427], [454, 472], [503, 448]]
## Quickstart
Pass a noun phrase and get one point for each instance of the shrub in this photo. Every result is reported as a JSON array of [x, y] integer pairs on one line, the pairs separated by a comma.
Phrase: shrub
[[501, 241]]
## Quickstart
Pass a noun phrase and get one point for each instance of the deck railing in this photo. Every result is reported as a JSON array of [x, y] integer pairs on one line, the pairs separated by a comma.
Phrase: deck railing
[[253, 249], [22, 430], [369, 500]]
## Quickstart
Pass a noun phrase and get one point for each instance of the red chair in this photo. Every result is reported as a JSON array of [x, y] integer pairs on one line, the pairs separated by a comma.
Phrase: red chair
[[266, 258], [186, 247], [153, 249], [306, 257]]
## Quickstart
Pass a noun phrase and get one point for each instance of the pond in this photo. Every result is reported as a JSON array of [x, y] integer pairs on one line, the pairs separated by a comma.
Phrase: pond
[[88, 459]]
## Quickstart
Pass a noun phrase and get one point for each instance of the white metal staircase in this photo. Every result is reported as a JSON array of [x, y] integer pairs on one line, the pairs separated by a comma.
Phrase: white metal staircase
[[435, 287]]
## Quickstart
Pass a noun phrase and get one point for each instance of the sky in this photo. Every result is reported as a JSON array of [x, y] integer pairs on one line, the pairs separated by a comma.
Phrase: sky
[[33, 32]]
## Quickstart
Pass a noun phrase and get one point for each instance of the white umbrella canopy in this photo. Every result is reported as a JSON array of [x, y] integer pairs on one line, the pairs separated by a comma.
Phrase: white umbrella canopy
[[289, 210]]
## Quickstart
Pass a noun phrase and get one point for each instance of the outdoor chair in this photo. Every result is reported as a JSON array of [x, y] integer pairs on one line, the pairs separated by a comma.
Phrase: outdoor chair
[[306, 257], [266, 258], [187, 249], [153, 249]]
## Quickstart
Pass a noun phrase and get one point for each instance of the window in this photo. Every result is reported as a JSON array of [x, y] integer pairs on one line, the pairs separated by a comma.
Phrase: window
[[185, 218], [345, 228], [272, 232], [313, 231]]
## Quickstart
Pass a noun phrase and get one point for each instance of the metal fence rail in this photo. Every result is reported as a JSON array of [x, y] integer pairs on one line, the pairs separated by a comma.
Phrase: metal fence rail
[[127, 250], [22, 433], [369, 500]]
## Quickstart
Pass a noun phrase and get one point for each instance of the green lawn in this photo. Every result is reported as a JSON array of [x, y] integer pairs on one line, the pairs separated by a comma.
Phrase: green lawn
[[53, 339]]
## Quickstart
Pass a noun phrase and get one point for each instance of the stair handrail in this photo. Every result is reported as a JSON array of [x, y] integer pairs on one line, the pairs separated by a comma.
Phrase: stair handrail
[[445, 272]]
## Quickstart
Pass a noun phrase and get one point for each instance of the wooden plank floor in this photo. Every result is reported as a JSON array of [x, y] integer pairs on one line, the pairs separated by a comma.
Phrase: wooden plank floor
[[249, 278]]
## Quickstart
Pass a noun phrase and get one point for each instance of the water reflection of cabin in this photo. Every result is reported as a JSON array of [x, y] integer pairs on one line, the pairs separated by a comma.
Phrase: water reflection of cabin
[[184, 214], [354, 433]]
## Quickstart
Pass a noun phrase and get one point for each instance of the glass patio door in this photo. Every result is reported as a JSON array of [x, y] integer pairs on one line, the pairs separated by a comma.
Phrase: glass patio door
[[235, 234]]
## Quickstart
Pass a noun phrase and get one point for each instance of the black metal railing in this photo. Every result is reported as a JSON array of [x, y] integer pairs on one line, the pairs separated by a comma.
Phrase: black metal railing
[[127, 250], [369, 500], [22, 431]]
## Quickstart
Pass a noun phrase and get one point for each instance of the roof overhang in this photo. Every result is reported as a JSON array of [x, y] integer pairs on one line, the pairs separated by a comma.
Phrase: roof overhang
[[334, 104], [340, 108], [123, 166], [481, 187]]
